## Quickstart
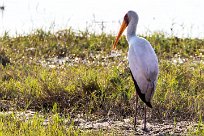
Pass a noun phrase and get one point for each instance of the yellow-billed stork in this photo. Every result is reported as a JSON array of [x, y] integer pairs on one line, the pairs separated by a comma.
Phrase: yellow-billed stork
[[142, 60]]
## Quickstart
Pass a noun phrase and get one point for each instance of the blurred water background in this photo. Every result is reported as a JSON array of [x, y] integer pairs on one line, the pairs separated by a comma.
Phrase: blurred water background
[[183, 18]]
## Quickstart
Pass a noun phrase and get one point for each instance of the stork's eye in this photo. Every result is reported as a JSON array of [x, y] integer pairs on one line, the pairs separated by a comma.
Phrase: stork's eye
[[126, 18]]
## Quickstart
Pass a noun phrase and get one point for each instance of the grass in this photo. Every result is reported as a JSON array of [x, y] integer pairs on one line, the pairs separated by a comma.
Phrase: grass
[[91, 82]]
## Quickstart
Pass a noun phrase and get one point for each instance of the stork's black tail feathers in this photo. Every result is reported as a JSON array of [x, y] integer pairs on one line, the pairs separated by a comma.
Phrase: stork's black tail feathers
[[141, 95], [149, 104]]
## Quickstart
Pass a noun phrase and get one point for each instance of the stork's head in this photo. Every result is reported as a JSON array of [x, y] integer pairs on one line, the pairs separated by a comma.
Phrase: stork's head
[[130, 15]]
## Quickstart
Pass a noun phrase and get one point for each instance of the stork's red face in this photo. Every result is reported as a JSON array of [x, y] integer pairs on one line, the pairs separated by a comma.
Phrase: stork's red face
[[122, 28]]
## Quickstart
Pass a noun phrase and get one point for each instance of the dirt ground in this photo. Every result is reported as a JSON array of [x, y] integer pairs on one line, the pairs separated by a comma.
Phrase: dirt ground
[[125, 127]]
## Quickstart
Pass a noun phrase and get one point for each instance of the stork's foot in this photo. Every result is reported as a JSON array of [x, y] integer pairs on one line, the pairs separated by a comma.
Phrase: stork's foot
[[135, 127], [145, 129]]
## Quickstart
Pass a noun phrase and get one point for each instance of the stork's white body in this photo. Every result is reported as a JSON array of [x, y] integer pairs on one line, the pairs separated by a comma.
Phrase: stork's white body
[[143, 64]]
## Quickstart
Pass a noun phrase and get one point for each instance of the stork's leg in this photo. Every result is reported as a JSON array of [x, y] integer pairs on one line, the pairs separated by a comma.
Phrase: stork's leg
[[145, 121], [135, 121]]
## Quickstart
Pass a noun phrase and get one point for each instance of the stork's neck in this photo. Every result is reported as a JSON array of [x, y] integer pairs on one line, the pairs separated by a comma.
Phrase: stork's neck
[[131, 30]]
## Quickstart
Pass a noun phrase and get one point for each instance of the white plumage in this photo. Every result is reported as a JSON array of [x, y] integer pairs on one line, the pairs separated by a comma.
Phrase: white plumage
[[143, 64]]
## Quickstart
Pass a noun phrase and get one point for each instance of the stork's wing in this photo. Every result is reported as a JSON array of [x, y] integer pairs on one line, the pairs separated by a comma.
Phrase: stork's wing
[[144, 68]]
